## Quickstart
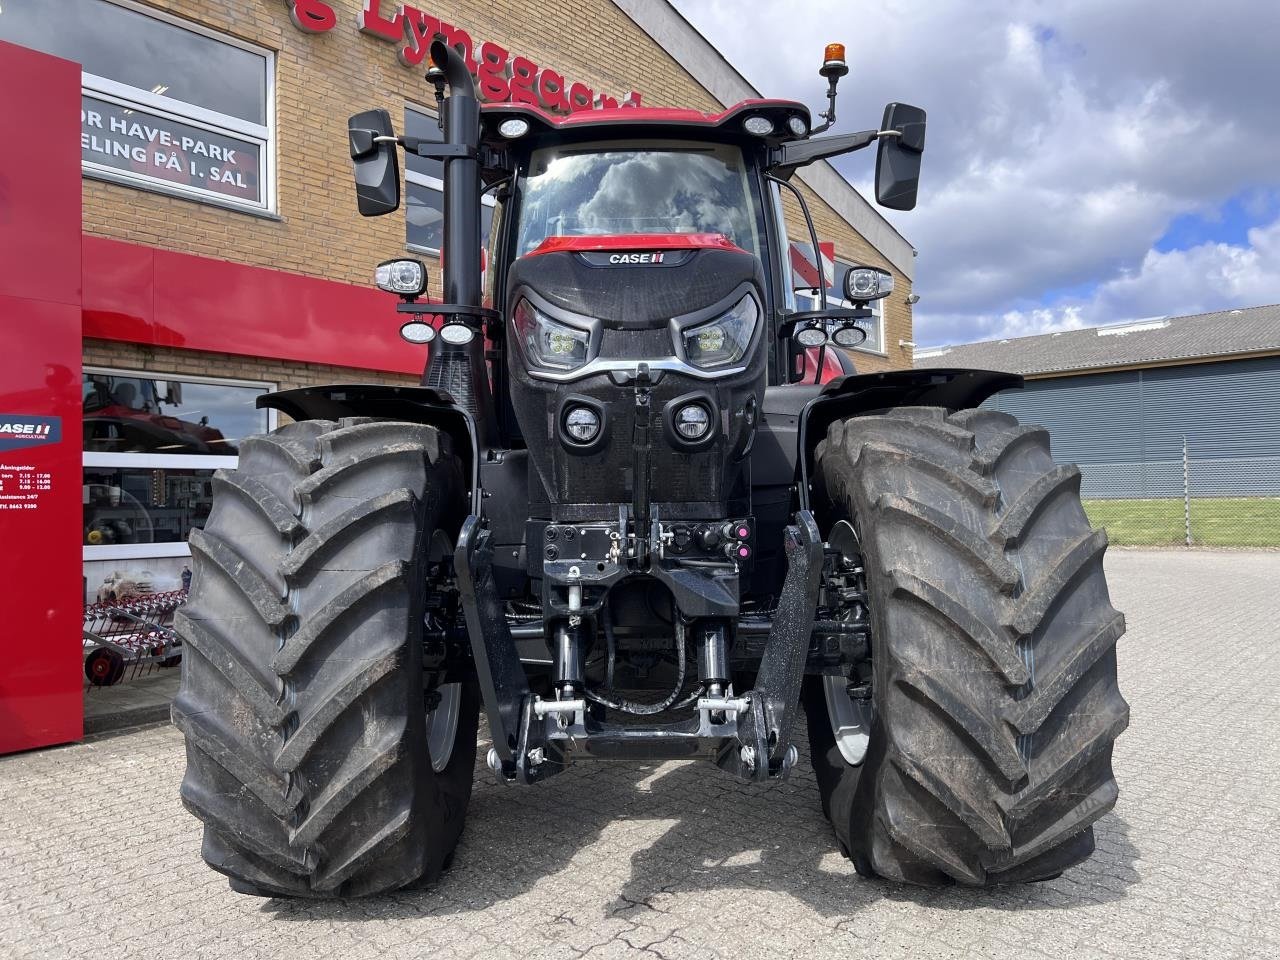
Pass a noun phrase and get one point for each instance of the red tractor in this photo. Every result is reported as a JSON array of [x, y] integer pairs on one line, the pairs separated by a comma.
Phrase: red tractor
[[614, 518]]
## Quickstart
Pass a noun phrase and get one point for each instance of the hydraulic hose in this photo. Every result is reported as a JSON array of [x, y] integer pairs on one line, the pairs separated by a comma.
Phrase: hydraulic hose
[[628, 706]]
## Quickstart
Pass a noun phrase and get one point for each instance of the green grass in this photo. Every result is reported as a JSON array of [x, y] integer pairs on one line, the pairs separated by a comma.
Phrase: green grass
[[1216, 522]]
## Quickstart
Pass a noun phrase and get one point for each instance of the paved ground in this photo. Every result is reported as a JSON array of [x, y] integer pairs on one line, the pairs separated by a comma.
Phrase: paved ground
[[97, 859], [142, 697]]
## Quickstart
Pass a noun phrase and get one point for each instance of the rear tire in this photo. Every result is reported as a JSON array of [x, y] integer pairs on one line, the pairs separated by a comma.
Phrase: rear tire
[[302, 697], [993, 652]]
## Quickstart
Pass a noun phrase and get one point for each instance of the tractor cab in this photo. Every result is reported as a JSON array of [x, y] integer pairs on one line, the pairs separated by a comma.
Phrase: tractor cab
[[625, 211]]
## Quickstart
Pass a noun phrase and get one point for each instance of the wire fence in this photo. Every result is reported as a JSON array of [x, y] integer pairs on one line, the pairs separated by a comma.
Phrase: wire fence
[[1196, 501]]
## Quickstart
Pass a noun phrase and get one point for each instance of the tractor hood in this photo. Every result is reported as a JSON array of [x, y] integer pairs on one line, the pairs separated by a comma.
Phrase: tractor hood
[[634, 282], [598, 321]]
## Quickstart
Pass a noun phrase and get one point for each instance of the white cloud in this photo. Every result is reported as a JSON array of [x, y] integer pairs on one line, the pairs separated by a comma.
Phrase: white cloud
[[1211, 276], [1063, 138]]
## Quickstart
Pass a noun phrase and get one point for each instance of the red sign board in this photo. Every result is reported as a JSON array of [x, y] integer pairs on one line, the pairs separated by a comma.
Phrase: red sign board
[[40, 433], [501, 76]]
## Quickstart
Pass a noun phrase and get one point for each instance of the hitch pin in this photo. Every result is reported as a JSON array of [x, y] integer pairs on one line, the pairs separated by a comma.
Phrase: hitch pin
[[575, 590], [724, 704], [543, 707]]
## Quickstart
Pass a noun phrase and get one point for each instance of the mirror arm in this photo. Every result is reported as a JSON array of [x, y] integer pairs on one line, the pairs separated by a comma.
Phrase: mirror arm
[[786, 159], [424, 147]]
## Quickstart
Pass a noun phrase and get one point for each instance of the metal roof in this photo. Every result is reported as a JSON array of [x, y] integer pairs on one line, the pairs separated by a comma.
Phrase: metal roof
[[1154, 340]]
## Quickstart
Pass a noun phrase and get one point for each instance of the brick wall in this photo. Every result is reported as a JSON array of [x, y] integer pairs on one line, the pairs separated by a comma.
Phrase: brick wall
[[323, 78]]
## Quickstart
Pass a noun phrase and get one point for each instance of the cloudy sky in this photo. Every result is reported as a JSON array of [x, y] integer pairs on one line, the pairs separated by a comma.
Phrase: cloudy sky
[[1088, 161]]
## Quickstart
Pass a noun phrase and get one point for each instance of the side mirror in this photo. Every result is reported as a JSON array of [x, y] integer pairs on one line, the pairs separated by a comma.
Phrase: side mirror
[[377, 167], [898, 158]]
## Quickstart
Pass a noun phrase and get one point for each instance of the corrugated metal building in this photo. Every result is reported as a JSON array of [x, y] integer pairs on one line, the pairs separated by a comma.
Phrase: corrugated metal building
[[1121, 400]]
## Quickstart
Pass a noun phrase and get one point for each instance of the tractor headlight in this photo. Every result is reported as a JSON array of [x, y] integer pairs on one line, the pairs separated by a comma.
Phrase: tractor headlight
[[408, 278], [723, 340], [513, 128], [811, 337], [862, 284], [693, 421], [547, 342], [582, 424], [849, 336]]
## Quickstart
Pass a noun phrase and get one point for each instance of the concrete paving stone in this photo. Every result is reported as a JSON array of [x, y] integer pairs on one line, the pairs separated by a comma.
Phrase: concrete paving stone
[[98, 859]]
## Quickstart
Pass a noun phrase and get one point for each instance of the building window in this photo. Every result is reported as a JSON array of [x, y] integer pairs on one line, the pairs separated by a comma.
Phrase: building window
[[424, 190], [808, 299], [166, 105], [151, 444]]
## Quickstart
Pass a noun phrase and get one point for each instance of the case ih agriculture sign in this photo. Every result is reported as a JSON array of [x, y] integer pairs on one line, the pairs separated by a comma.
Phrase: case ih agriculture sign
[[500, 75], [17, 432]]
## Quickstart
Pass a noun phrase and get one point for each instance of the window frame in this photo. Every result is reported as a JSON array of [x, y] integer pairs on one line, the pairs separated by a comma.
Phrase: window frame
[[159, 461], [201, 117], [430, 182]]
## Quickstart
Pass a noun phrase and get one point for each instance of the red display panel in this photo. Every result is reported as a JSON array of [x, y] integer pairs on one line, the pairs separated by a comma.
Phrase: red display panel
[[144, 295], [40, 476]]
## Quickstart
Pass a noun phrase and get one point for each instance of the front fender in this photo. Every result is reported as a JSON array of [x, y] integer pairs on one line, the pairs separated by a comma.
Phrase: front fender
[[952, 388], [410, 404]]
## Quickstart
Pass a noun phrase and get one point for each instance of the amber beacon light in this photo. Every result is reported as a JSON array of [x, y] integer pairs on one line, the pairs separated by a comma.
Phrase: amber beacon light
[[833, 64]]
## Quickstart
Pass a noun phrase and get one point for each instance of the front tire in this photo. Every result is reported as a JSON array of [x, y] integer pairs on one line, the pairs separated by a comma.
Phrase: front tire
[[994, 696], [302, 696]]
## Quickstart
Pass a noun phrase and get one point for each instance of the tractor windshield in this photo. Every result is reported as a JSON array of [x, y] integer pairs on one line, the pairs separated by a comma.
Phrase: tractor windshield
[[656, 187]]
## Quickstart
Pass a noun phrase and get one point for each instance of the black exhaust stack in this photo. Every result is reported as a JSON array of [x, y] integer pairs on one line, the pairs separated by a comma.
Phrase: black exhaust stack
[[460, 112], [460, 369]]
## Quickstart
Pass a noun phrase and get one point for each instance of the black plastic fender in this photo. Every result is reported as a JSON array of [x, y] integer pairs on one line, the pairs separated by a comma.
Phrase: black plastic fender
[[410, 404], [952, 388]]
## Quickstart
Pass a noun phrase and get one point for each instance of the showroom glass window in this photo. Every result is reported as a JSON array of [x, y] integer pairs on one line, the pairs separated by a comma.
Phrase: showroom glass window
[[807, 299], [151, 444], [424, 190], [166, 104]]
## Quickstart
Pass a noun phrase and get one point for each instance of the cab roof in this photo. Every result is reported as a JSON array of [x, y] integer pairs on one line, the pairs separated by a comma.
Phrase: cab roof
[[621, 120]]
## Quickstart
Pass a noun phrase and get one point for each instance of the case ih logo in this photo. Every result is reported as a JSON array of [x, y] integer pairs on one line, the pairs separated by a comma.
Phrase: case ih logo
[[501, 77], [635, 257], [25, 432]]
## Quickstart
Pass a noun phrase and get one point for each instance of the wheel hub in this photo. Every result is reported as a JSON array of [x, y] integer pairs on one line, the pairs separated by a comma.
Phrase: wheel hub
[[442, 724], [850, 716]]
